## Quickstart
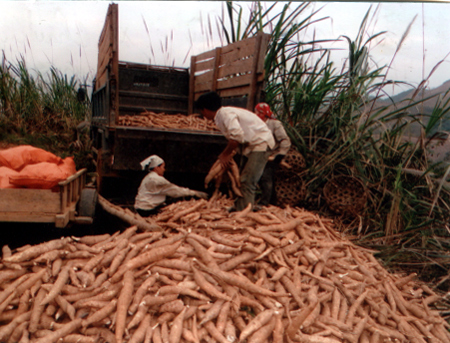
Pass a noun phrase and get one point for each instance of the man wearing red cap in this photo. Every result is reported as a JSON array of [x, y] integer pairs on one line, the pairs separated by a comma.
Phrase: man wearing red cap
[[283, 143]]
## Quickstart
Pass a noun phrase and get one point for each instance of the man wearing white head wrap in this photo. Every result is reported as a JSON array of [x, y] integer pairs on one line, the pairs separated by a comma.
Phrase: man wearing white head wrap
[[155, 189]]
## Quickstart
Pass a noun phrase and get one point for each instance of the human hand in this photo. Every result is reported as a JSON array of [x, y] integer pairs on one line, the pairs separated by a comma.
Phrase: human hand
[[225, 160]]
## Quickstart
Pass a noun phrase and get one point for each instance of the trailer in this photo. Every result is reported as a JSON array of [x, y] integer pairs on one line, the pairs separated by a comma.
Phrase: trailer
[[69, 201], [235, 72]]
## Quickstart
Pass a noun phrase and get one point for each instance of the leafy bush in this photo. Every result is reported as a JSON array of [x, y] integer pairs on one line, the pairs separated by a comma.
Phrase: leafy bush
[[335, 119], [43, 111]]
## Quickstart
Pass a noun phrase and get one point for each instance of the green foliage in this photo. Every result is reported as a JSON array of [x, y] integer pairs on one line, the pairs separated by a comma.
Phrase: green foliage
[[334, 119], [41, 111]]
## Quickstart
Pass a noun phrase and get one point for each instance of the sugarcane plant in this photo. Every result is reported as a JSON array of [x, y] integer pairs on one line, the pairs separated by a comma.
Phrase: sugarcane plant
[[43, 110], [336, 120]]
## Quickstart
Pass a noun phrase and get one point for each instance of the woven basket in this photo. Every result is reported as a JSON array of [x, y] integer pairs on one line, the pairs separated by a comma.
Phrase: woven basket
[[289, 188], [345, 195], [295, 160]]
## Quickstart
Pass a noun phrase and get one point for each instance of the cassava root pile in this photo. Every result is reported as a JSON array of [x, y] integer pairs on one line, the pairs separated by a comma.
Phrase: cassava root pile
[[168, 121], [278, 275]]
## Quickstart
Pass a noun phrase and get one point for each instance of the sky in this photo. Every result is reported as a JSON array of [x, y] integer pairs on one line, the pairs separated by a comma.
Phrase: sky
[[64, 34]]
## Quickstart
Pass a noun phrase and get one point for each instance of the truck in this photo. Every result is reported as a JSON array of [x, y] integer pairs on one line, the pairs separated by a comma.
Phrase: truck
[[235, 72]]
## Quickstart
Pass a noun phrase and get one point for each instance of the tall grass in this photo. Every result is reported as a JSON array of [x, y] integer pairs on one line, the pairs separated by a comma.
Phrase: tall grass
[[335, 120], [42, 110]]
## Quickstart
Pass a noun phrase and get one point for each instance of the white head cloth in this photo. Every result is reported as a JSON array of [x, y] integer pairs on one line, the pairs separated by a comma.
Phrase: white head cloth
[[152, 162]]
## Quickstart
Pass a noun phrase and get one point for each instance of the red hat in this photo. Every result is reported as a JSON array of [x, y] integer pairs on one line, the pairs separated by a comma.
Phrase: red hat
[[263, 111]]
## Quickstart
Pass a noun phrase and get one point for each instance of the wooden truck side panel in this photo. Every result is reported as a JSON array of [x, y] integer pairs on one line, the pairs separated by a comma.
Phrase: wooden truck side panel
[[234, 71], [43, 205]]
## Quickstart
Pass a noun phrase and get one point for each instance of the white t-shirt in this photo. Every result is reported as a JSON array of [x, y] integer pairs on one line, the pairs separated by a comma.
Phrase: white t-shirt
[[244, 127], [155, 188]]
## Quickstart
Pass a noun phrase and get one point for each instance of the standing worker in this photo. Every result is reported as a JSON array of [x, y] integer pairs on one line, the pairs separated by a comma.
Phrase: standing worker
[[243, 130], [155, 189], [282, 145]]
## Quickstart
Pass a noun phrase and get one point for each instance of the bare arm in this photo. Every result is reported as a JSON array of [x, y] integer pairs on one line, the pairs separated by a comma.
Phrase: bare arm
[[227, 154]]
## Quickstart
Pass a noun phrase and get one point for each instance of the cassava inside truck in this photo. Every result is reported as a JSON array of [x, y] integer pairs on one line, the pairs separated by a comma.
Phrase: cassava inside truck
[[123, 90]]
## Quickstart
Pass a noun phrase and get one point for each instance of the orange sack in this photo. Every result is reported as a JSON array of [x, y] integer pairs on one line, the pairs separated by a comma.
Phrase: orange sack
[[5, 173], [44, 174], [20, 156]]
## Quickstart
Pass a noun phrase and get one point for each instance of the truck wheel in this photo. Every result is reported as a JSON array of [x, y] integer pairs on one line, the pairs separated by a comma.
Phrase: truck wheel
[[88, 202]]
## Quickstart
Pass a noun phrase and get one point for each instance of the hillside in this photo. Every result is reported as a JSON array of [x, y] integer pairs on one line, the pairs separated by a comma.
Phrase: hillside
[[424, 108]]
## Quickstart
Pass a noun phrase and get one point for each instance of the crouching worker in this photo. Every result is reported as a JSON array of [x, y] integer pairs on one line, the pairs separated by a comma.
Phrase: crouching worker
[[155, 189], [282, 145], [244, 130]]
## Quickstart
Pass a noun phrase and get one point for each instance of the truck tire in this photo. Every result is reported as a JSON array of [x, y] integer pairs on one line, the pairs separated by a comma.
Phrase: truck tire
[[88, 202]]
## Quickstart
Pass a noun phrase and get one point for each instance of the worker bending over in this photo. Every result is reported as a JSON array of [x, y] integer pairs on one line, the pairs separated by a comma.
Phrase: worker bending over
[[155, 189], [244, 130], [282, 145]]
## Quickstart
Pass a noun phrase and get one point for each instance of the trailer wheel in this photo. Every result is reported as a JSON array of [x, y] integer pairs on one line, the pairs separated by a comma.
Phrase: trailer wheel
[[88, 202]]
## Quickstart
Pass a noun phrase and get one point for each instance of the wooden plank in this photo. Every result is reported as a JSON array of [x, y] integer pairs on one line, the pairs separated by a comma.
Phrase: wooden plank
[[262, 53], [105, 43], [205, 77], [101, 81], [106, 62], [205, 55], [241, 82], [216, 69], [234, 92], [27, 217], [63, 197], [107, 19], [233, 82], [114, 76], [29, 200], [243, 45], [80, 173], [102, 72], [61, 220], [243, 57], [204, 66], [104, 53], [203, 87], [237, 55], [252, 92], [236, 67], [106, 38], [191, 99], [75, 190], [69, 194]]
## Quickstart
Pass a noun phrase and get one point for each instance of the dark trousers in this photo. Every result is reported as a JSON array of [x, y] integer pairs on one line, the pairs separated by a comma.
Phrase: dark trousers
[[267, 184], [147, 213], [250, 175]]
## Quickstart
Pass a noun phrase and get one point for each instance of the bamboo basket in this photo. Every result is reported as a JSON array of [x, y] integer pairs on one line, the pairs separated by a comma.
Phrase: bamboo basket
[[290, 188], [295, 160], [345, 195]]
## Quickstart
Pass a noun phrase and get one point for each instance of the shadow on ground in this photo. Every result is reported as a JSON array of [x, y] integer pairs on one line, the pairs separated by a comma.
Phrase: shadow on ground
[[19, 234]]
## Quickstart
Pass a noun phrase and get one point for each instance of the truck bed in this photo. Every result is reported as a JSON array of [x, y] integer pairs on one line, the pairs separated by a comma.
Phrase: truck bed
[[184, 150]]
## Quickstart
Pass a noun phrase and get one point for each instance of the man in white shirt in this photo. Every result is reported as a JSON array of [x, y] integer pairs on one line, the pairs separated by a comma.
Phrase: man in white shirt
[[155, 189], [243, 129]]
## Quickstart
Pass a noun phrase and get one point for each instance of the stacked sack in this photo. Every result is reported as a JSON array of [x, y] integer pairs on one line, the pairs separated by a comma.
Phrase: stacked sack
[[26, 166]]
